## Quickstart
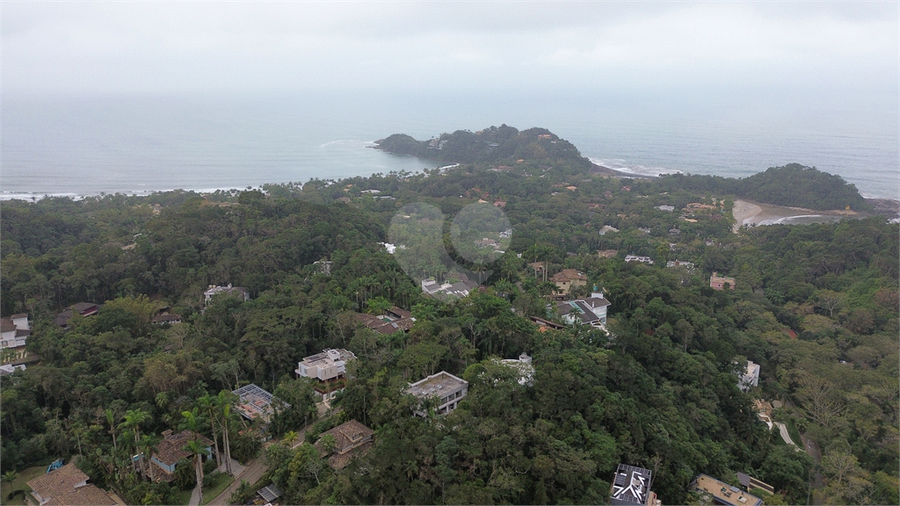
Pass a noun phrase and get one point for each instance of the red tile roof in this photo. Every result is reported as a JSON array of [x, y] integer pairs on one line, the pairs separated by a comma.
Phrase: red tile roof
[[68, 486]]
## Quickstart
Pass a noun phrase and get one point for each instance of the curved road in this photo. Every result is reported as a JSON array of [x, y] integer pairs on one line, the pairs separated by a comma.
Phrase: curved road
[[782, 428]]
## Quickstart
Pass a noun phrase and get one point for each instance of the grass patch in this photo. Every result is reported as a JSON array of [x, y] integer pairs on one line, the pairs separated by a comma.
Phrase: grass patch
[[19, 484], [215, 490], [183, 496], [794, 433]]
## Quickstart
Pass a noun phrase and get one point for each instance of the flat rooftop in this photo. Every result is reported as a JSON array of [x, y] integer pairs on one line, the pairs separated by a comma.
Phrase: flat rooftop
[[725, 493], [436, 384]]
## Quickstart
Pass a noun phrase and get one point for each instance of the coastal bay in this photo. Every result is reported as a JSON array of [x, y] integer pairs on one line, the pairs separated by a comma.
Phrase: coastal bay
[[753, 214]]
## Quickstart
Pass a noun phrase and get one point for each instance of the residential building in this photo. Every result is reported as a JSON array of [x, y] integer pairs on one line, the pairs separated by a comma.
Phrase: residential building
[[14, 332], [538, 268], [568, 279], [324, 266], [590, 311], [166, 319], [7, 369], [631, 486], [750, 378], [443, 386], [605, 229], [750, 483], [607, 253], [723, 493], [523, 368], [352, 439], [393, 320], [328, 365], [256, 403], [486, 242], [545, 325], [459, 289], [678, 263], [84, 309], [717, 282], [171, 450], [666, 208], [67, 485], [636, 258], [214, 290], [269, 494], [328, 369]]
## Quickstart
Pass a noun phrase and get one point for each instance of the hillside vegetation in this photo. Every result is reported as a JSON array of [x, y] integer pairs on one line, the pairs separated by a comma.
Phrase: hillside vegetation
[[815, 305]]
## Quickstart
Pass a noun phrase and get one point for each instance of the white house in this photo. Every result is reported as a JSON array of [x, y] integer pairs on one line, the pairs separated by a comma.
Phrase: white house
[[590, 311], [14, 332], [214, 290], [447, 388], [328, 368], [750, 378], [523, 367]]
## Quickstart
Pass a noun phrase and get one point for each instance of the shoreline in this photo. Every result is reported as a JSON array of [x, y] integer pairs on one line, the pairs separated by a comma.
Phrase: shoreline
[[607, 172], [746, 212]]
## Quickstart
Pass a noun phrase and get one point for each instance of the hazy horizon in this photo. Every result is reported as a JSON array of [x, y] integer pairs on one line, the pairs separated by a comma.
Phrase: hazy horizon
[[679, 49]]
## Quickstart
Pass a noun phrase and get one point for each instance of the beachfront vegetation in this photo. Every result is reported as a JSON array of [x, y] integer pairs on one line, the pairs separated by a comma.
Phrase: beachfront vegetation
[[793, 185], [815, 305]]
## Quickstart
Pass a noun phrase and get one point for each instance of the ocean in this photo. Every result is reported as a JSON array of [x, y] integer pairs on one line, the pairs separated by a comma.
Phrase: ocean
[[88, 145]]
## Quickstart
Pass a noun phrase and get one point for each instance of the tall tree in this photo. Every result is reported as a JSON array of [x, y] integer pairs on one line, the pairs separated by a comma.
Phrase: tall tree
[[223, 402], [133, 420], [198, 451], [208, 404]]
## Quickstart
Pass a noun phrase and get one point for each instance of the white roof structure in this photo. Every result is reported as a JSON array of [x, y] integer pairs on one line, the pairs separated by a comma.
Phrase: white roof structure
[[324, 366], [750, 378], [523, 366], [256, 403]]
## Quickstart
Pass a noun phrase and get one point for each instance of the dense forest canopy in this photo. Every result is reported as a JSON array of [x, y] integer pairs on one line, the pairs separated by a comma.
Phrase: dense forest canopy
[[791, 185], [816, 306]]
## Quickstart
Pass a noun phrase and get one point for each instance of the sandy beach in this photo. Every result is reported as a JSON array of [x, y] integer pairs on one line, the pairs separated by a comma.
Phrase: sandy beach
[[752, 213], [743, 211]]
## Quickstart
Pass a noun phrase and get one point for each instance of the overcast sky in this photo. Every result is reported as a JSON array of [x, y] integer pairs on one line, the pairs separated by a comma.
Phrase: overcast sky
[[540, 47]]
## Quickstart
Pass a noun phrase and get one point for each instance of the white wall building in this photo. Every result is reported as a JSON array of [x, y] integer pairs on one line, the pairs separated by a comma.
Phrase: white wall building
[[447, 388], [750, 378], [328, 369]]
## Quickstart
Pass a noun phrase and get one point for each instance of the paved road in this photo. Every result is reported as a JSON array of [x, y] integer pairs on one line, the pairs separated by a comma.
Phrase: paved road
[[195, 497], [251, 474], [257, 467], [786, 436]]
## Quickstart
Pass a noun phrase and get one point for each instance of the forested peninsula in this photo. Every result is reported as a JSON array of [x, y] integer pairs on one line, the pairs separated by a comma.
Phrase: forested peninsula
[[575, 320]]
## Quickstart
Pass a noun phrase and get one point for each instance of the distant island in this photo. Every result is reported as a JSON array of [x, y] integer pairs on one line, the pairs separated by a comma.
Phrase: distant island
[[508, 149]]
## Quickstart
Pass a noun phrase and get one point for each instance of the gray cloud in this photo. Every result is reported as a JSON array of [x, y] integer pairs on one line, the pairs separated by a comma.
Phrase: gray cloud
[[203, 46]]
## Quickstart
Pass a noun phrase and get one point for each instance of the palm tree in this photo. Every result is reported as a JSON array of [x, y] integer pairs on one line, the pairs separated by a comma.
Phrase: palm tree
[[289, 438], [208, 404], [197, 449], [133, 419], [9, 477], [148, 447], [192, 423], [111, 420], [379, 305], [223, 401]]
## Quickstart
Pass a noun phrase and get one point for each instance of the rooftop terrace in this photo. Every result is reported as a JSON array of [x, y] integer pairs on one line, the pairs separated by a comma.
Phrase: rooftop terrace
[[436, 384]]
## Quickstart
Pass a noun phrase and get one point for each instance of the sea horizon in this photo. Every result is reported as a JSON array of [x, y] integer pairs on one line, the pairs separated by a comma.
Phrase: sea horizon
[[87, 145]]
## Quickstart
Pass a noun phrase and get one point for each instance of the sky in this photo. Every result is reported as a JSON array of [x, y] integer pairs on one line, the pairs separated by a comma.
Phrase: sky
[[444, 47]]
